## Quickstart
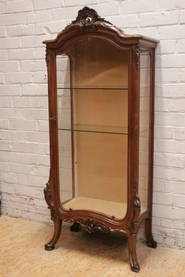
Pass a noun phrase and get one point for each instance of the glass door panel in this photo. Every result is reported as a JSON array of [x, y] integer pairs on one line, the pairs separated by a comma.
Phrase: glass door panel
[[95, 124]]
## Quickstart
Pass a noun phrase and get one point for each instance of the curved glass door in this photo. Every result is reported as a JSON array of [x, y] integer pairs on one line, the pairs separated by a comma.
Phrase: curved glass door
[[93, 127]]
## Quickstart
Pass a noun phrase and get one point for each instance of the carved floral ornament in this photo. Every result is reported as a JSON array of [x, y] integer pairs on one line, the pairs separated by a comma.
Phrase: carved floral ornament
[[92, 226]]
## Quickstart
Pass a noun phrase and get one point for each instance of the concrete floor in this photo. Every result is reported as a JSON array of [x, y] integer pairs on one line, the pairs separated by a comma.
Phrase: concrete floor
[[22, 254]]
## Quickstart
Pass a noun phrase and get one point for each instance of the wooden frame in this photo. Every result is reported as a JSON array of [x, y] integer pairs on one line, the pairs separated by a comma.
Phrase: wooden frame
[[89, 25]]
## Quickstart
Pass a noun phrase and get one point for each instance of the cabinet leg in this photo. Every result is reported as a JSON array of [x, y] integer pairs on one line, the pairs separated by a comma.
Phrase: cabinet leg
[[148, 233], [57, 230], [132, 253]]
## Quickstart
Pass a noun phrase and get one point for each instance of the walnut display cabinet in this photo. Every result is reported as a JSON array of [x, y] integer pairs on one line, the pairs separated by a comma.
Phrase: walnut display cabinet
[[101, 117]]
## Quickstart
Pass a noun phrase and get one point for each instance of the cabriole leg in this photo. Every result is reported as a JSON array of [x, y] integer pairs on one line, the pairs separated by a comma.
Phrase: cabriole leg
[[57, 230], [148, 233], [132, 253]]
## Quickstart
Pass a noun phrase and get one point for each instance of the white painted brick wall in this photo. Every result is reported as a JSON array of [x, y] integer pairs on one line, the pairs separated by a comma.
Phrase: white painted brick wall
[[24, 146]]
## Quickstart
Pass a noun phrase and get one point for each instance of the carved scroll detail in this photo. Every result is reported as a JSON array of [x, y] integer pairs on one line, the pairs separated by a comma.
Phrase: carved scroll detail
[[91, 226], [132, 227], [47, 57], [49, 200], [136, 56]]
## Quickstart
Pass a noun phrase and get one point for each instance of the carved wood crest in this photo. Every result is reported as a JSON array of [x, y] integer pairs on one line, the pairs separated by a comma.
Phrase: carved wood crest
[[89, 20]]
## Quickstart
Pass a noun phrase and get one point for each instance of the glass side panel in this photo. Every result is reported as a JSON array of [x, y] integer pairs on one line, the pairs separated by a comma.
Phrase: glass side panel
[[65, 165], [93, 127], [64, 121], [144, 127]]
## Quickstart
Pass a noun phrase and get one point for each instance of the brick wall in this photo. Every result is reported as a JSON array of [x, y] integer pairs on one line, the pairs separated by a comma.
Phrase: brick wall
[[24, 146]]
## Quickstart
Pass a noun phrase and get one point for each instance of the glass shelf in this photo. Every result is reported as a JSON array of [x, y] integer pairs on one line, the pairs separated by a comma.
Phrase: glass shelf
[[92, 88], [97, 129], [115, 209]]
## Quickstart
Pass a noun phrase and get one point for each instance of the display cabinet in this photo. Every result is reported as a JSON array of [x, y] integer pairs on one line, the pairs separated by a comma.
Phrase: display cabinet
[[101, 119]]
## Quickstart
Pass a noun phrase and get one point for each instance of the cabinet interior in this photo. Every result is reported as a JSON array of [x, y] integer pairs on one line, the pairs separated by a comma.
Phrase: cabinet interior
[[93, 125]]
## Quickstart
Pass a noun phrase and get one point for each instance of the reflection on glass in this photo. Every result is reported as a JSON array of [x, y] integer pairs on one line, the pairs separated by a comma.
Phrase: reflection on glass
[[93, 127], [144, 128]]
